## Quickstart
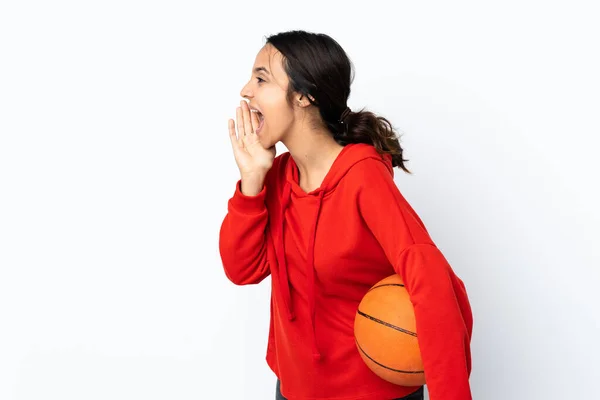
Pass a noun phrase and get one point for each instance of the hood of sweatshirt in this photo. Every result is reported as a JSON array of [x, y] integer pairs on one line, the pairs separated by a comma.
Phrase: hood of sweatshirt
[[350, 155]]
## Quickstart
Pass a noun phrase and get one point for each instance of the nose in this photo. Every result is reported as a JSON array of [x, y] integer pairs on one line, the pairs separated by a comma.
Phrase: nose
[[246, 92]]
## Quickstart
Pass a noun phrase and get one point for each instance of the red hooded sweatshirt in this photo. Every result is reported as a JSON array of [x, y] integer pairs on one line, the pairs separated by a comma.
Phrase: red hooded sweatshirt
[[323, 251]]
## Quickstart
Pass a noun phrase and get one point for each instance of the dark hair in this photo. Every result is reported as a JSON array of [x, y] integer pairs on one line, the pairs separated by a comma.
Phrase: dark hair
[[319, 68]]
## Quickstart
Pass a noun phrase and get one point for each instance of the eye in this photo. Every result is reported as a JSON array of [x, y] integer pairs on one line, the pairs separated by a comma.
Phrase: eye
[[260, 80]]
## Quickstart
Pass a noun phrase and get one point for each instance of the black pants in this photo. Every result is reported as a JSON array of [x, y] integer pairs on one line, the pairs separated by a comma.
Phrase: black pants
[[418, 395]]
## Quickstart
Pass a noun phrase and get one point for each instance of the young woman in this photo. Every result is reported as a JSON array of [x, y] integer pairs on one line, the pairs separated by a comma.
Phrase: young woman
[[326, 221]]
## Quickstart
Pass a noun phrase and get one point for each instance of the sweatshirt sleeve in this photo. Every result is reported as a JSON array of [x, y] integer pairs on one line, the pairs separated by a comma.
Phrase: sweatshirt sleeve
[[242, 238], [442, 313]]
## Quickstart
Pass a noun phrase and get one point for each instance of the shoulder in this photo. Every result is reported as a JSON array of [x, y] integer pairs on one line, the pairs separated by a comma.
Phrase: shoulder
[[371, 172], [372, 182]]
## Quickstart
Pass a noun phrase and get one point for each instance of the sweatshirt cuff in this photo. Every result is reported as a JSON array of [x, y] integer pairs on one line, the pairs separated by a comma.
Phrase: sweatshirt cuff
[[248, 204]]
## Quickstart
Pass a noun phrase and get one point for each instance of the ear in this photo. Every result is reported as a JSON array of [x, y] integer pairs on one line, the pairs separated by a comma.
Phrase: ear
[[302, 101]]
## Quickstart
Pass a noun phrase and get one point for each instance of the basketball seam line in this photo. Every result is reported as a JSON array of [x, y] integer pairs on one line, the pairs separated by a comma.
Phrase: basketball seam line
[[386, 284], [385, 366], [386, 323]]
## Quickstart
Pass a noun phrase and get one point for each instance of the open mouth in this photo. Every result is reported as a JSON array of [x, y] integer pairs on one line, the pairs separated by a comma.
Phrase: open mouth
[[261, 120]]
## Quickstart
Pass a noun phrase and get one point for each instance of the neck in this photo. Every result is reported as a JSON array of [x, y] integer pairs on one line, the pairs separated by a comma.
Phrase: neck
[[314, 152]]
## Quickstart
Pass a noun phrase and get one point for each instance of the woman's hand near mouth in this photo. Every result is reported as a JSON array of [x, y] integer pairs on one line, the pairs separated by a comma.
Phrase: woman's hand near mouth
[[253, 160]]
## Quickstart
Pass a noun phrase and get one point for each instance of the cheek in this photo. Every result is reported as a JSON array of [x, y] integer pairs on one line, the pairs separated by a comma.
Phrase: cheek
[[275, 102], [280, 115]]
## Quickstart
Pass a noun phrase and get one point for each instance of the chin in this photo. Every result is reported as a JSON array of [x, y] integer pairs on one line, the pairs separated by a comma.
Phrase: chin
[[265, 142], [267, 145]]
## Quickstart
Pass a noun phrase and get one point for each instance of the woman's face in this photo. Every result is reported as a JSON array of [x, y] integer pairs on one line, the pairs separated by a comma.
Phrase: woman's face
[[267, 93]]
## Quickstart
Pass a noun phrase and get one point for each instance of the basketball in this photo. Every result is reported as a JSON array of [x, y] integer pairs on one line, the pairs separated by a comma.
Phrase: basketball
[[385, 333]]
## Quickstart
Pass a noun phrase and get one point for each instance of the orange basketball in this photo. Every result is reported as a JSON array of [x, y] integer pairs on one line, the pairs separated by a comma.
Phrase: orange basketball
[[385, 333]]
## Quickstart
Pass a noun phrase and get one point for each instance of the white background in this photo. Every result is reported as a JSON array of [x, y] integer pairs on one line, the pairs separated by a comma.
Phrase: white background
[[115, 170]]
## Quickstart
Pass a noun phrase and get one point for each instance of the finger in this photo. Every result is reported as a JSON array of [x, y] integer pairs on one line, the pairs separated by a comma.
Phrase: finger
[[247, 122], [255, 121], [240, 123], [232, 135]]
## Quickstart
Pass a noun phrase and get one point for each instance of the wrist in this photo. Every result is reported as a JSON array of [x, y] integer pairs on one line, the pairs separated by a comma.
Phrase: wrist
[[252, 184]]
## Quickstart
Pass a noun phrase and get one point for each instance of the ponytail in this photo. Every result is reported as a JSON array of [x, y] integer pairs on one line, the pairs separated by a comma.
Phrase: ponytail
[[366, 127]]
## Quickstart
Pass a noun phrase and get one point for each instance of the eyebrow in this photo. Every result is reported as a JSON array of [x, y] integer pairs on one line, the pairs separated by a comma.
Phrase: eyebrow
[[260, 69]]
